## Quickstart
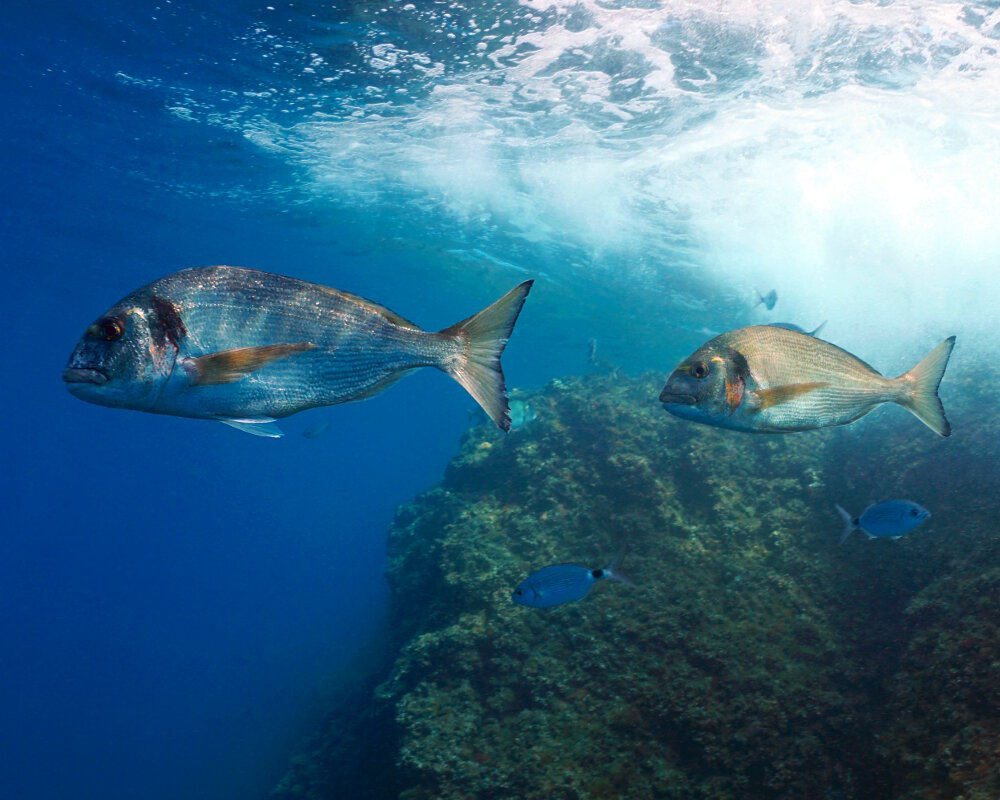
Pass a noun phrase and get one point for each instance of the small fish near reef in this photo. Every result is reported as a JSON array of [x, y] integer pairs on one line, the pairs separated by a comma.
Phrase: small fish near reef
[[889, 519], [521, 413], [767, 300], [765, 379], [246, 347], [563, 583]]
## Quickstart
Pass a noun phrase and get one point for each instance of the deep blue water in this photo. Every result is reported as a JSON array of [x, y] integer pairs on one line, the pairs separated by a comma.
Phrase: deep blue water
[[176, 593]]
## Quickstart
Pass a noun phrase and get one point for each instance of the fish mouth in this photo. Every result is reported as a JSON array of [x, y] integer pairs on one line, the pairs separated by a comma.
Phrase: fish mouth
[[677, 398], [84, 375]]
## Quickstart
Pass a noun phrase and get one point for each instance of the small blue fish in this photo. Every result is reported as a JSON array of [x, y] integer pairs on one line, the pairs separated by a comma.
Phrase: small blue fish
[[768, 300], [791, 326], [563, 583], [890, 518]]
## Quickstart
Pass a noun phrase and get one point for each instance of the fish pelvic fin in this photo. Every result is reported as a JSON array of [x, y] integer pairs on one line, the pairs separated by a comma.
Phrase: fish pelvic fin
[[777, 395], [263, 426], [227, 366], [485, 336], [849, 525], [919, 393]]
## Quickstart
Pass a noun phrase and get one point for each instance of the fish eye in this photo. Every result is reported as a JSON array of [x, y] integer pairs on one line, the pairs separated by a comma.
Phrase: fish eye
[[519, 592], [700, 370], [109, 329], [914, 512]]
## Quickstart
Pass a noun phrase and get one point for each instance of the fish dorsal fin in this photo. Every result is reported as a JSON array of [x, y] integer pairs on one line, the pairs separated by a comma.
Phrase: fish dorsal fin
[[369, 305], [227, 366], [777, 395], [262, 426]]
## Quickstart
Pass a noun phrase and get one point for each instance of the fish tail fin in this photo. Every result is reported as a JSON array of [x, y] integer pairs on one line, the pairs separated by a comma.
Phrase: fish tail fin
[[920, 387], [849, 525], [613, 571], [485, 336]]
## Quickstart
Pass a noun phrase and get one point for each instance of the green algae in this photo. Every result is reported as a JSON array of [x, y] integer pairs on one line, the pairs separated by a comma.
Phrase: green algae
[[753, 657]]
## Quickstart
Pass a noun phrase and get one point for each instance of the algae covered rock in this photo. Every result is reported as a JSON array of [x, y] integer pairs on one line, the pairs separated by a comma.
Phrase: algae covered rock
[[720, 673], [753, 658]]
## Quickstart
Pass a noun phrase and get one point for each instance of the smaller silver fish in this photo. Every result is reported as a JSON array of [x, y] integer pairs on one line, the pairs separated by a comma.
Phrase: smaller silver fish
[[769, 379], [767, 300], [889, 519], [563, 583]]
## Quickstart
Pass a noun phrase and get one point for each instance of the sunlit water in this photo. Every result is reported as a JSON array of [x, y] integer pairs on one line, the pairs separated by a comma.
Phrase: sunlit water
[[175, 592]]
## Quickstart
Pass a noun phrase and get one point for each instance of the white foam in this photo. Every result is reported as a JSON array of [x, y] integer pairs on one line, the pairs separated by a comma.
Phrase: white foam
[[844, 153]]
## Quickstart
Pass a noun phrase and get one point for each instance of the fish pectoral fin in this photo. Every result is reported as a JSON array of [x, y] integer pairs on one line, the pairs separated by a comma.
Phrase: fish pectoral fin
[[227, 366], [261, 426], [777, 395]]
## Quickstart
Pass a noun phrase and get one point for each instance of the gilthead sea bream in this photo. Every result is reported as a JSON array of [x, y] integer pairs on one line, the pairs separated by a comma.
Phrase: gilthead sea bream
[[768, 379], [246, 347]]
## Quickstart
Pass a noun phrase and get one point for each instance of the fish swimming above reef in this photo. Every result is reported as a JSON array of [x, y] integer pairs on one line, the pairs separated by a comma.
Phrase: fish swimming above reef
[[246, 347], [791, 326], [767, 300], [563, 583], [773, 380], [889, 519]]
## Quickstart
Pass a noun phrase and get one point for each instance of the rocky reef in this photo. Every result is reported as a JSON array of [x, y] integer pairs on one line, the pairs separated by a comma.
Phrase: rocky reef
[[753, 657]]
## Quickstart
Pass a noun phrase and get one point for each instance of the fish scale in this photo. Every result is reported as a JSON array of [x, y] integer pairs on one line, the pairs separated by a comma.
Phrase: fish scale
[[779, 357], [358, 344]]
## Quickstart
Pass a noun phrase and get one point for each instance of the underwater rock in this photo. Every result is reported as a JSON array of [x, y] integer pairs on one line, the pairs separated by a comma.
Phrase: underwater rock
[[754, 657]]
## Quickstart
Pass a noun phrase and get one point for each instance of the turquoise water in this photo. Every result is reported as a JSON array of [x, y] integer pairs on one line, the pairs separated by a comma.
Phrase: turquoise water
[[176, 594]]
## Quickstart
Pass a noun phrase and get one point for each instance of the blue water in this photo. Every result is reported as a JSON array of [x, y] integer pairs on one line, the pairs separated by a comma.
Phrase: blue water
[[175, 593]]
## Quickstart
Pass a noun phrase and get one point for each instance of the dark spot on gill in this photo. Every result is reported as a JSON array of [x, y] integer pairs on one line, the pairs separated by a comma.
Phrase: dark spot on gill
[[166, 324], [738, 364]]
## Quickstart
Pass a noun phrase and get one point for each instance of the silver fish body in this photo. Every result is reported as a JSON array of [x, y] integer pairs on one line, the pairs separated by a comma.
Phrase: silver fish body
[[247, 347], [772, 380]]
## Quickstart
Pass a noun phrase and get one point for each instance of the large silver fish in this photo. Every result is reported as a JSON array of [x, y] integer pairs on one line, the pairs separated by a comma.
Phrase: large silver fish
[[772, 380], [247, 347]]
